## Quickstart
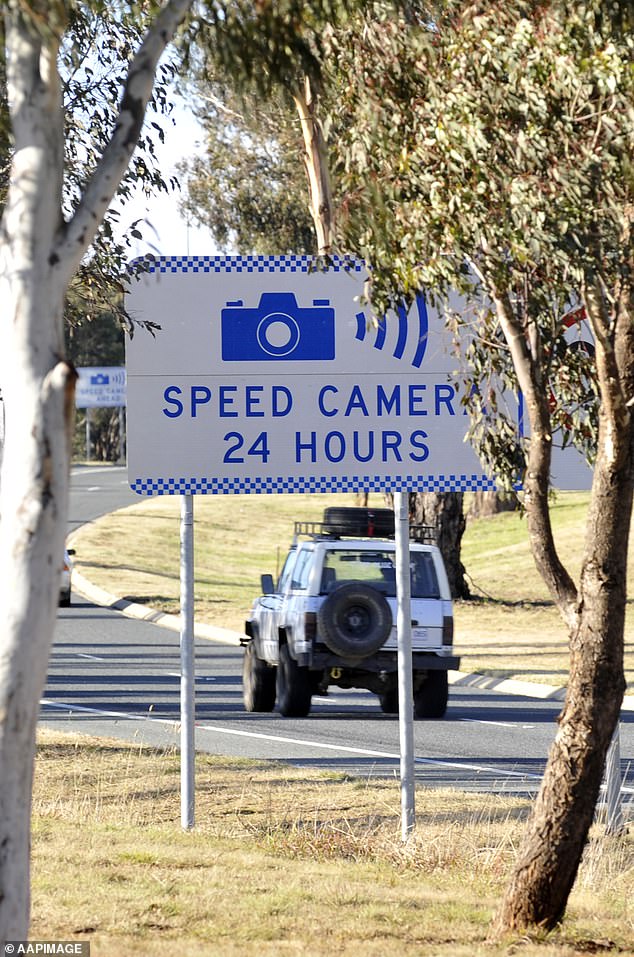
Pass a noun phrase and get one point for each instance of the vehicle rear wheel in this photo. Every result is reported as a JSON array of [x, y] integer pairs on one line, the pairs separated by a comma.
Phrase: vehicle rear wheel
[[430, 700], [355, 620], [389, 701], [258, 682], [294, 691]]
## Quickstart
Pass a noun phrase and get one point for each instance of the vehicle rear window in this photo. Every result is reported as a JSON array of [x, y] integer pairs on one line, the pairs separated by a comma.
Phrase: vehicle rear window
[[378, 569]]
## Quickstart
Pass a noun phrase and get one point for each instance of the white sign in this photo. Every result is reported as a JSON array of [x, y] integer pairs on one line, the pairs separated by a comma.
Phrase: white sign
[[267, 376], [100, 386]]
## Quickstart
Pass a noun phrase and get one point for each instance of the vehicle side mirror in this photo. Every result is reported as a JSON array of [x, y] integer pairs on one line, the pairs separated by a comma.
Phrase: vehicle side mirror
[[266, 581], [71, 551]]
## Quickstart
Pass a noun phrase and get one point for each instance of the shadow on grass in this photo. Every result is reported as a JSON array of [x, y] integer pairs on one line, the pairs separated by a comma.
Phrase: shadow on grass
[[480, 600]]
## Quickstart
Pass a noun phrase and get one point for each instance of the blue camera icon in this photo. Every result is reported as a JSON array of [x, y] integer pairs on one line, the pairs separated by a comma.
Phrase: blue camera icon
[[100, 379], [278, 329]]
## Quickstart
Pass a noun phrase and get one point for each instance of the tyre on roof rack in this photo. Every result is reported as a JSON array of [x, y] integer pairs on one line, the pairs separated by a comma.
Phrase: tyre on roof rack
[[359, 522]]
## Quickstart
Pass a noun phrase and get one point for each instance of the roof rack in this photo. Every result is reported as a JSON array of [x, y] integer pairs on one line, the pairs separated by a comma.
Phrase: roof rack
[[329, 531]]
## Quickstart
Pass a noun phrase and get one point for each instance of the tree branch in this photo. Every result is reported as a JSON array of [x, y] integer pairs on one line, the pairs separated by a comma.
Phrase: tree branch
[[537, 478], [78, 233], [316, 160], [613, 410]]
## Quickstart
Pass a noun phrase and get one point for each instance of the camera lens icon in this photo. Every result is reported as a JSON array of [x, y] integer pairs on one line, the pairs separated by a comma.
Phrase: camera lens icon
[[278, 334]]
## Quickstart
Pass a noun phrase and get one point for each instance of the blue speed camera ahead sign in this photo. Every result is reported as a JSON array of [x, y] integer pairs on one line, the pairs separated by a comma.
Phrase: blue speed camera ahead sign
[[270, 376], [100, 386]]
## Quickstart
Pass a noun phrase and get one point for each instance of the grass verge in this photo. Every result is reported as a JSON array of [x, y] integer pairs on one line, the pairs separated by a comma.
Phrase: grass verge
[[510, 629], [287, 862]]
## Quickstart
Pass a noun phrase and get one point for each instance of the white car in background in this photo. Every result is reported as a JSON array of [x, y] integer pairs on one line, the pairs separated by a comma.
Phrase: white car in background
[[67, 571], [331, 618]]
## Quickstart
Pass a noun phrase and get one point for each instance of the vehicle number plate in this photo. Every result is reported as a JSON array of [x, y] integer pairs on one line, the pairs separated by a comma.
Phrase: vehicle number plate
[[419, 634]]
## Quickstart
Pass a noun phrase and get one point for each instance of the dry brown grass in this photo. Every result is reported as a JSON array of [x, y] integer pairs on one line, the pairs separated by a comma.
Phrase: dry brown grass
[[286, 861]]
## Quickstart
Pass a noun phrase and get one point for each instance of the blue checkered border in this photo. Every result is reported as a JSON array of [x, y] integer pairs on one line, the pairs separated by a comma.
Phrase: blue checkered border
[[243, 264], [323, 483]]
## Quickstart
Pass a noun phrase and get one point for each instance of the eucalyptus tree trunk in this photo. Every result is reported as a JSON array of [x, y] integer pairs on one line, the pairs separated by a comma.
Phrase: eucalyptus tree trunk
[[487, 504], [558, 827], [553, 844], [442, 510], [316, 163], [37, 386], [39, 253], [445, 512]]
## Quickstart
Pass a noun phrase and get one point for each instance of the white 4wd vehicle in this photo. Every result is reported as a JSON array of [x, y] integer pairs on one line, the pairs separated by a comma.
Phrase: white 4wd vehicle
[[330, 620]]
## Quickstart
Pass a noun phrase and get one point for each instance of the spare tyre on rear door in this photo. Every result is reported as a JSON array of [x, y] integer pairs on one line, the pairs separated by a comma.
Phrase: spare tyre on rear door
[[354, 621]]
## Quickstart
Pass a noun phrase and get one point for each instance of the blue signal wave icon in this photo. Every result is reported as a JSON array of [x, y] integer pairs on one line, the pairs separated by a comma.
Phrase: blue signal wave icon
[[404, 323]]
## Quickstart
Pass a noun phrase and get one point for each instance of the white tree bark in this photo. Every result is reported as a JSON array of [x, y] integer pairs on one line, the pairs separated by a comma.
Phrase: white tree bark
[[39, 253], [316, 161]]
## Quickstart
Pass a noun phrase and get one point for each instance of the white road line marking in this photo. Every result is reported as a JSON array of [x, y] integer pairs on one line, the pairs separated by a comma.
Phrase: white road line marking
[[80, 654], [82, 709], [497, 772], [303, 742], [94, 469], [177, 674], [366, 752], [499, 724]]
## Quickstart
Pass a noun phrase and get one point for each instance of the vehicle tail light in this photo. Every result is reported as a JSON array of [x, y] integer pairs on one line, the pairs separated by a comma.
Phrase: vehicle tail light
[[310, 626], [447, 630]]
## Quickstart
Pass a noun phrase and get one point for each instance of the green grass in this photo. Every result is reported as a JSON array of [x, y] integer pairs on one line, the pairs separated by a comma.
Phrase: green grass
[[287, 862], [512, 629], [497, 554]]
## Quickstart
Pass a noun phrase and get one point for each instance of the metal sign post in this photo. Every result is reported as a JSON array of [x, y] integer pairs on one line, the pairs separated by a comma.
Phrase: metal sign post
[[88, 435], [614, 800], [188, 691], [405, 681], [122, 433]]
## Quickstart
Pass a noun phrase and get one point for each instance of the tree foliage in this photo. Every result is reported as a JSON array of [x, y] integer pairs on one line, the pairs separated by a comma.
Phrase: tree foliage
[[268, 45], [99, 41], [248, 186], [500, 139], [489, 149]]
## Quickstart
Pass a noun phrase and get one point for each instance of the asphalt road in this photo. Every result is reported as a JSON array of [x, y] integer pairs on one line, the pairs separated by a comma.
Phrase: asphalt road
[[118, 677]]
